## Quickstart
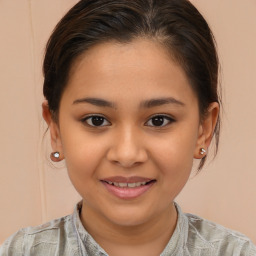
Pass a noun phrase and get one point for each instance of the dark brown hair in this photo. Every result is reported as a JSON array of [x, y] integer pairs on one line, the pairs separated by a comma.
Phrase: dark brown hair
[[176, 24]]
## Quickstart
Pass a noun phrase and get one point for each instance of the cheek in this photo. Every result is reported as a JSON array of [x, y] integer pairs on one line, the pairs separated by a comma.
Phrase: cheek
[[83, 155], [176, 150], [175, 167], [81, 164], [174, 158]]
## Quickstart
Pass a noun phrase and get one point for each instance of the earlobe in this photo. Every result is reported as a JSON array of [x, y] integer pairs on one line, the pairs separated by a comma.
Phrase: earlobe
[[206, 130], [54, 133], [56, 157]]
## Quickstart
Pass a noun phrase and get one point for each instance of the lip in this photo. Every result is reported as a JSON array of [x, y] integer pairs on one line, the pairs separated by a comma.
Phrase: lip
[[128, 192], [132, 179]]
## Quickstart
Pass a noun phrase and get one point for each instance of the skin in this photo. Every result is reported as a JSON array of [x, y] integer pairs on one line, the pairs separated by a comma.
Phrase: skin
[[128, 143]]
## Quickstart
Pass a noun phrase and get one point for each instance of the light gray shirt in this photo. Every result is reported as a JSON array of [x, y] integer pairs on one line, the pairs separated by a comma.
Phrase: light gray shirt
[[193, 236]]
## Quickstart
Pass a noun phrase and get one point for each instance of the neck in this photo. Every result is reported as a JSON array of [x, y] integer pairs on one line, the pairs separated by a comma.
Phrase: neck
[[149, 238]]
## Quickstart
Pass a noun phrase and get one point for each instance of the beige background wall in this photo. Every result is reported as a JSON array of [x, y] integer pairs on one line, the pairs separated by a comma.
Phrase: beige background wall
[[32, 192]]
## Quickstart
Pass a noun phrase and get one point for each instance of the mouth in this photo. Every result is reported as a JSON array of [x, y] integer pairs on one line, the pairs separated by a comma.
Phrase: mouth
[[128, 188], [129, 185]]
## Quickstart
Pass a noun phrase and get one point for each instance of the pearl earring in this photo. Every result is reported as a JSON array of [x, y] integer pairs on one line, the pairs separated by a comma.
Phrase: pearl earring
[[56, 155], [202, 151]]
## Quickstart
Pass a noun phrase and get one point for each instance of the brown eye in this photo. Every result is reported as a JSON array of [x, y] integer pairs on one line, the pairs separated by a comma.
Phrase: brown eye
[[96, 121], [160, 120]]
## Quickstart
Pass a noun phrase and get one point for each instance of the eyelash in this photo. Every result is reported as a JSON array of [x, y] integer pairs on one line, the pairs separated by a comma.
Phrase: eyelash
[[84, 120], [165, 117]]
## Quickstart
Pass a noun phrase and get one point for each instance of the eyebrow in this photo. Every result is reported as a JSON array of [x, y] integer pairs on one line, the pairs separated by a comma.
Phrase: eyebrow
[[95, 101], [160, 101], [145, 104]]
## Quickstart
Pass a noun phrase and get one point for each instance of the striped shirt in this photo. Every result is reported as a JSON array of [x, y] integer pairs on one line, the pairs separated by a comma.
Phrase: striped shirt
[[193, 236]]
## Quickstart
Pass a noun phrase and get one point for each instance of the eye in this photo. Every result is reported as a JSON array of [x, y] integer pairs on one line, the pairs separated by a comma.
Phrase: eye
[[160, 121], [96, 121]]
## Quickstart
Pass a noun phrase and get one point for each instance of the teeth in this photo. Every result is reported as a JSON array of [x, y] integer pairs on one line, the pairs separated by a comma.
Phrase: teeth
[[125, 185], [122, 185]]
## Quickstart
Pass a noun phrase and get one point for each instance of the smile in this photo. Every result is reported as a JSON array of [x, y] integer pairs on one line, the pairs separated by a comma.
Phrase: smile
[[128, 188], [127, 185]]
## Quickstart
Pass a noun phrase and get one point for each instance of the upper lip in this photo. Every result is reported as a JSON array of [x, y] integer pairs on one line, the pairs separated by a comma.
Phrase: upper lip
[[121, 179]]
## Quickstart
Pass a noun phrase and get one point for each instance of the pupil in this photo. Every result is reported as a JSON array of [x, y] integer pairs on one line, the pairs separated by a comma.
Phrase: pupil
[[97, 120], [158, 121]]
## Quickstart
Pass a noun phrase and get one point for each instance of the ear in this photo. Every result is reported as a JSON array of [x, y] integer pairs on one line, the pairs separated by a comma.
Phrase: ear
[[206, 130], [54, 132]]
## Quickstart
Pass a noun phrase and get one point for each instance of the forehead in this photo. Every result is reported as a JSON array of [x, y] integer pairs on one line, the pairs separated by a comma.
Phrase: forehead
[[143, 67], [139, 54]]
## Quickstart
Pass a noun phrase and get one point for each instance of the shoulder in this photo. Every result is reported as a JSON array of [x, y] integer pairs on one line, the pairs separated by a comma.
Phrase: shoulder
[[223, 241], [45, 239]]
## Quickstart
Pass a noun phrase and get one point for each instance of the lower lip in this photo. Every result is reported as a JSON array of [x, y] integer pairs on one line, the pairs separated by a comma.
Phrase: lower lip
[[128, 193]]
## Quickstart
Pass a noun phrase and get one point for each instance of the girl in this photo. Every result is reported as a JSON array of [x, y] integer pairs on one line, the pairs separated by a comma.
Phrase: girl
[[131, 99]]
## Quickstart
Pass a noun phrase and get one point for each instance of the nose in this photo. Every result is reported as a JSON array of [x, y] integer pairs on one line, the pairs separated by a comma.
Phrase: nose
[[127, 148]]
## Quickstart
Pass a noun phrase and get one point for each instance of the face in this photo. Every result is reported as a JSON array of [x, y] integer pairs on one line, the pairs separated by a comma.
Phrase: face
[[128, 129]]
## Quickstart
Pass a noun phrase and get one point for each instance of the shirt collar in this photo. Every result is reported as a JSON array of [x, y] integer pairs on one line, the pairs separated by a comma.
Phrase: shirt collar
[[90, 247]]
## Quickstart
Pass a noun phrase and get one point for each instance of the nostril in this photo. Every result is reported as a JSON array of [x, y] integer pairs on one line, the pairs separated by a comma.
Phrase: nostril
[[126, 151], [126, 160], [127, 164]]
